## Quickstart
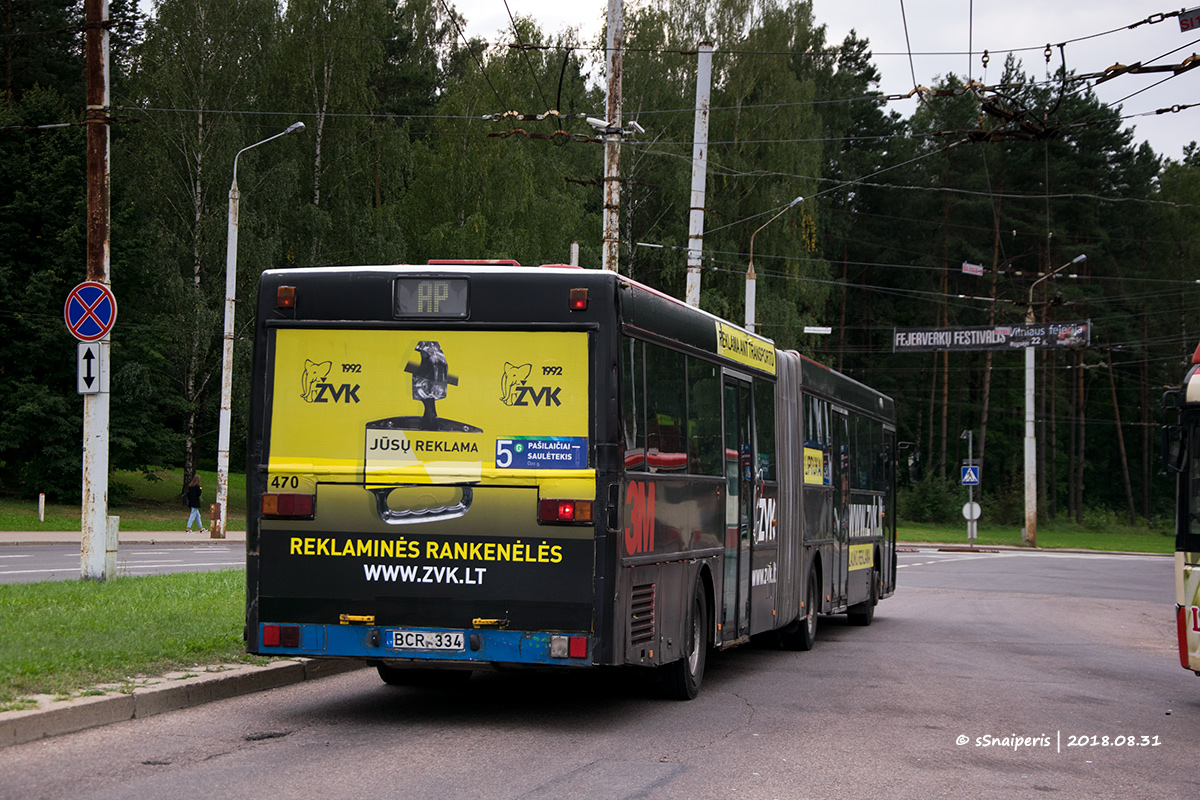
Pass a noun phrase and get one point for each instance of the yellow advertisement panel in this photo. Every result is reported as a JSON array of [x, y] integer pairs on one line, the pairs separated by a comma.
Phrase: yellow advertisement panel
[[814, 466], [745, 348], [862, 556], [428, 407]]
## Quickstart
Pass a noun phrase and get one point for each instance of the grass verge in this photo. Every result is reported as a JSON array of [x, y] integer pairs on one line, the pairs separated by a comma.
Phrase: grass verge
[[146, 501], [64, 637], [1124, 538]]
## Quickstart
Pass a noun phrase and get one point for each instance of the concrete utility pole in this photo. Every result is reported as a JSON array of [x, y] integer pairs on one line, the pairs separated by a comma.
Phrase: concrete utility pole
[[1030, 536], [94, 517], [699, 173], [612, 143]]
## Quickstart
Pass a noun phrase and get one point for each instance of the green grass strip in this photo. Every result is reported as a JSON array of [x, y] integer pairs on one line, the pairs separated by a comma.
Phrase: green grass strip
[[1052, 536], [148, 502], [61, 637]]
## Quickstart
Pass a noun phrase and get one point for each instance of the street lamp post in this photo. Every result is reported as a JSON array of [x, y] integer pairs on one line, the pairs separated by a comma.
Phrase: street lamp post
[[1030, 536], [218, 523], [751, 278]]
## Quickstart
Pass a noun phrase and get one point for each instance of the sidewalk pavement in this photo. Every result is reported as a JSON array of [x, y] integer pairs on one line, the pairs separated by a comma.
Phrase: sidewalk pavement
[[123, 537]]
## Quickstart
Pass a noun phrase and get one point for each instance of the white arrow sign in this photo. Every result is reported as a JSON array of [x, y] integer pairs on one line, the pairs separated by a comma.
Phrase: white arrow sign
[[91, 377]]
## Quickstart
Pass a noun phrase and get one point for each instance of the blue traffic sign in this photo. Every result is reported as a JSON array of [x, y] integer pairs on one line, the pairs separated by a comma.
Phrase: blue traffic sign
[[90, 311], [970, 476]]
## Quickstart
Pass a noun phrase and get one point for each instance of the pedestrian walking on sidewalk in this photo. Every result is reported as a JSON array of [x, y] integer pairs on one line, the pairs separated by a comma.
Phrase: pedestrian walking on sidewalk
[[193, 501]]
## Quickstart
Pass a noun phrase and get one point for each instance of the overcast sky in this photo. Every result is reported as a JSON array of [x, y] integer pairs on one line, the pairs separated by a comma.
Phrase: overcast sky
[[952, 28]]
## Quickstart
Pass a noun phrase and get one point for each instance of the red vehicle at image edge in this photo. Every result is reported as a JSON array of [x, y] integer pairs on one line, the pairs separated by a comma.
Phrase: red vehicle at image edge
[[466, 466]]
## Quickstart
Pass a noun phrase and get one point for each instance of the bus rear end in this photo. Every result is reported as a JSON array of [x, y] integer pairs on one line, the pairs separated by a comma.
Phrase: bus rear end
[[420, 477]]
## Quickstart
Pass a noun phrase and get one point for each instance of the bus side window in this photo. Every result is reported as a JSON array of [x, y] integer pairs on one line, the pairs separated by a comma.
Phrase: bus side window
[[666, 409], [878, 458], [704, 418], [633, 427], [764, 421]]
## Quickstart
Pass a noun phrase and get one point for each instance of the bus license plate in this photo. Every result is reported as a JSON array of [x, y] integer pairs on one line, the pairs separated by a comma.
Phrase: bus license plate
[[429, 641]]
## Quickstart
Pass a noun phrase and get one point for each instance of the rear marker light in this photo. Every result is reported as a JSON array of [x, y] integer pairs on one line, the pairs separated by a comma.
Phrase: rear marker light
[[560, 511], [289, 635], [568, 646], [281, 635], [579, 300], [288, 505], [285, 297]]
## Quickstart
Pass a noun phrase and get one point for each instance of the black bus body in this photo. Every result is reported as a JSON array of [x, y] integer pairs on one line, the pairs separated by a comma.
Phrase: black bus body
[[456, 467]]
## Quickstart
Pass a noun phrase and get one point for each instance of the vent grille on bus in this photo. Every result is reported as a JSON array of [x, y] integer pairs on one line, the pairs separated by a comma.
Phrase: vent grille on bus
[[641, 614]]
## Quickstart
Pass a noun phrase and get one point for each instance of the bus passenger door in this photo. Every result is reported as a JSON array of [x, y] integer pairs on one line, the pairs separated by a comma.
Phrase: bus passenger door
[[841, 506], [739, 509]]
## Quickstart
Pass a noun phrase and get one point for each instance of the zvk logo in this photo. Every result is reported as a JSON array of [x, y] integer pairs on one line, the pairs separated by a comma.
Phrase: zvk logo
[[314, 389], [514, 391]]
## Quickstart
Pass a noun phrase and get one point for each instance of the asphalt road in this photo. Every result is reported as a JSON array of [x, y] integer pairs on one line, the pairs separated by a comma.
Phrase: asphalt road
[[29, 563], [986, 676]]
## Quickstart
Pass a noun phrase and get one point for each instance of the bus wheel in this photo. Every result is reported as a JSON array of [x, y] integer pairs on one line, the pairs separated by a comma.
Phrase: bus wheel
[[862, 613], [804, 635], [681, 679], [425, 678]]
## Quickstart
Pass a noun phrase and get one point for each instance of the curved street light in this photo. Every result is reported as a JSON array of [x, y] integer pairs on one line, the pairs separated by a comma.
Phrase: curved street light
[[218, 525], [750, 276]]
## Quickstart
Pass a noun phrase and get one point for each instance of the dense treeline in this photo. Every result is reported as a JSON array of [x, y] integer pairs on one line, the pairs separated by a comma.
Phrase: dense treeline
[[412, 151]]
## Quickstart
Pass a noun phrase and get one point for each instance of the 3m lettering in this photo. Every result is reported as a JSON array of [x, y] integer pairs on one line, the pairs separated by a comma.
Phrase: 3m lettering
[[639, 536]]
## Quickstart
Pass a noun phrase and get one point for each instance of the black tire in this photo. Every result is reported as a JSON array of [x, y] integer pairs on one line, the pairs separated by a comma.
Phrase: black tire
[[863, 613], [682, 678], [424, 678], [805, 635]]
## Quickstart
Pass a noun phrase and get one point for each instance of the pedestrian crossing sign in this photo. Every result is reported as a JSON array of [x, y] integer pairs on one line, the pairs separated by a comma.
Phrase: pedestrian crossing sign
[[970, 476]]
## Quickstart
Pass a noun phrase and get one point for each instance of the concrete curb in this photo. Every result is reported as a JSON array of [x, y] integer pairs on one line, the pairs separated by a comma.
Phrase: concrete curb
[[149, 696]]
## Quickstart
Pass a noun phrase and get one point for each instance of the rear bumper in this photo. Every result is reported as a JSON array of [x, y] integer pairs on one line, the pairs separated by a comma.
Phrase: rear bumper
[[486, 647]]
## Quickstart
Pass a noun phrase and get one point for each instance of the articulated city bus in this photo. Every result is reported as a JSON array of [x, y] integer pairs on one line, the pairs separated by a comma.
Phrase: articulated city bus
[[1181, 454], [468, 466]]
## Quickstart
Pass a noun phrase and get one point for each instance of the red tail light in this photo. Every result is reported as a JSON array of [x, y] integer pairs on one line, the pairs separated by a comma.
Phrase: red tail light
[[297, 506], [564, 511], [280, 635], [578, 647]]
